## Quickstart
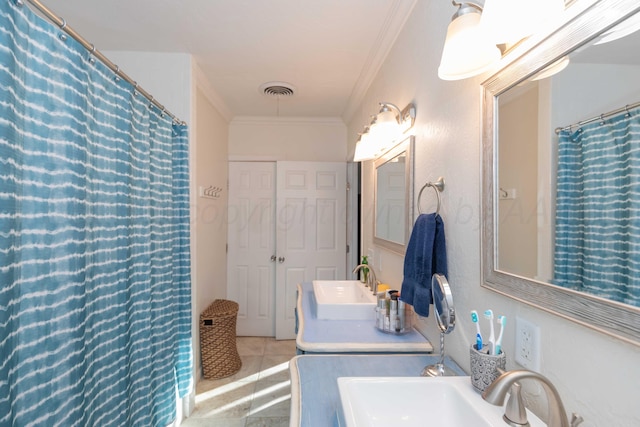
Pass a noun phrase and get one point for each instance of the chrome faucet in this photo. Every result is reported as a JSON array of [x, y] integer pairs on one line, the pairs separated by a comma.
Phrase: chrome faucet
[[497, 391], [372, 280]]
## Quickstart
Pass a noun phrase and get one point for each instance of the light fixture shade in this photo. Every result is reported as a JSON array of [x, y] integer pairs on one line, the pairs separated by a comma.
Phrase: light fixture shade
[[467, 51], [386, 126], [509, 21], [366, 148], [623, 29], [370, 146], [552, 69], [386, 116], [362, 154]]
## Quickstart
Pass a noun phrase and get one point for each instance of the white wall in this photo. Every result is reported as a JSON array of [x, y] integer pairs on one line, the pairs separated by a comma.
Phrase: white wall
[[596, 375], [209, 215], [166, 76], [288, 138], [622, 88]]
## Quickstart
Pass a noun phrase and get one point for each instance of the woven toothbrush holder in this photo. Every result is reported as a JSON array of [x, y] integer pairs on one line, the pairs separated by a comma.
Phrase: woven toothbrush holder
[[484, 367]]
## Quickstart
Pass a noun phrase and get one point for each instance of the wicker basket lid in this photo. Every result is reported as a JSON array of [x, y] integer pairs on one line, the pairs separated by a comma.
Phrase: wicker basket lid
[[219, 308]]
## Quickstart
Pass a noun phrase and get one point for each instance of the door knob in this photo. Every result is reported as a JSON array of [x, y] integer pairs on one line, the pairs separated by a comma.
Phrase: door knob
[[281, 259], [273, 258]]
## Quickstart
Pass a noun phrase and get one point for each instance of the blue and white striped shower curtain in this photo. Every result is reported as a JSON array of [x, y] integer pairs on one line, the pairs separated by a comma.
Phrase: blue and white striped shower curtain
[[95, 301], [597, 246]]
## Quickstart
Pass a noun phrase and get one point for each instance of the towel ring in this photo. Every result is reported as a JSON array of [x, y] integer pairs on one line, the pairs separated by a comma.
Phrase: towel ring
[[438, 187]]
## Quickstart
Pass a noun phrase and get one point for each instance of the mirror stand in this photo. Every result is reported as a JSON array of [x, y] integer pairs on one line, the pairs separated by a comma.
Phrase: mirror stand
[[438, 369], [446, 319]]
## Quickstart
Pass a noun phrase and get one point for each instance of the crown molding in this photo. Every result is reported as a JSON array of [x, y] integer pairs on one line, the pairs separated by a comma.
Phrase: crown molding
[[399, 12]]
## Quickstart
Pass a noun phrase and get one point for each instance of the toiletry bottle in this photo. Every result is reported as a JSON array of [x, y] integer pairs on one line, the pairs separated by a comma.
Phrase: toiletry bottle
[[364, 272], [393, 315], [386, 317], [401, 319]]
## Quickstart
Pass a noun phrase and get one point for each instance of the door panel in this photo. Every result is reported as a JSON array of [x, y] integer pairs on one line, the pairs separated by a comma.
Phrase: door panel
[[251, 240], [311, 231], [295, 211]]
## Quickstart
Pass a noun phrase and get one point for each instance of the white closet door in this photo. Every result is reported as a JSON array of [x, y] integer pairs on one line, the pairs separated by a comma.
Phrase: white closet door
[[311, 220], [251, 246]]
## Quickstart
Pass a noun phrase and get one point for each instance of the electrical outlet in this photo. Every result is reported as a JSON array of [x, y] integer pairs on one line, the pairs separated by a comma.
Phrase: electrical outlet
[[527, 344]]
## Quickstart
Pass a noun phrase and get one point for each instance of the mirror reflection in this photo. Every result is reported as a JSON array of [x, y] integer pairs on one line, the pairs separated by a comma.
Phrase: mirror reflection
[[560, 222], [390, 217], [393, 189], [568, 199]]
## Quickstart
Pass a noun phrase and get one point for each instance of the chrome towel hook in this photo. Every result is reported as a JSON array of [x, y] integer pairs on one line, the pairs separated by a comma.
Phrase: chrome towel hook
[[438, 187]]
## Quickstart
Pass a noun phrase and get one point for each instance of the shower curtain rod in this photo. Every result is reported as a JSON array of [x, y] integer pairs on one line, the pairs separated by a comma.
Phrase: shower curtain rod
[[60, 22], [600, 117]]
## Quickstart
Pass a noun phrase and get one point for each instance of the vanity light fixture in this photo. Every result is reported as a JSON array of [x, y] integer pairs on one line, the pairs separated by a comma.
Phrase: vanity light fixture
[[467, 49], [509, 21], [384, 130]]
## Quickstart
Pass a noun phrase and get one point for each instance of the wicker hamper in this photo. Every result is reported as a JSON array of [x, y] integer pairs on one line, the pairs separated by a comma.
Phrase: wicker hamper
[[218, 340]]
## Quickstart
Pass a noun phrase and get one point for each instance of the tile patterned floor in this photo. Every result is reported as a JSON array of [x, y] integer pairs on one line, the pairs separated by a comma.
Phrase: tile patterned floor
[[259, 395]]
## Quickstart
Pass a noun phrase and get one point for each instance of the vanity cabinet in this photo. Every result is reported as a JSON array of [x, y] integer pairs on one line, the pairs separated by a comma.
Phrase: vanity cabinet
[[315, 398], [315, 335]]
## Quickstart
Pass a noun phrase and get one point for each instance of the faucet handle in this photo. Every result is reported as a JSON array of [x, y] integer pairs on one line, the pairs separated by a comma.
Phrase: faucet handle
[[374, 286], [515, 412]]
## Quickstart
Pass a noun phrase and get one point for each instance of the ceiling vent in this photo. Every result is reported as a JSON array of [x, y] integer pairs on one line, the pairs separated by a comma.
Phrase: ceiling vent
[[277, 89]]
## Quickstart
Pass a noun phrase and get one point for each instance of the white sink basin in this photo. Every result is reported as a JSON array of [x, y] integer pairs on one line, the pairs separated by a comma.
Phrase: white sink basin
[[417, 401], [344, 300]]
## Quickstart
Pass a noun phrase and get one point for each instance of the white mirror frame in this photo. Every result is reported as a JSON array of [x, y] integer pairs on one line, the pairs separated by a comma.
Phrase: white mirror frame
[[406, 146], [612, 318]]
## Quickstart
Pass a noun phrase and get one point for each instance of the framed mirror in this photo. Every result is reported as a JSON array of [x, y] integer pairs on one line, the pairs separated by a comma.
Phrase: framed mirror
[[393, 197], [523, 166]]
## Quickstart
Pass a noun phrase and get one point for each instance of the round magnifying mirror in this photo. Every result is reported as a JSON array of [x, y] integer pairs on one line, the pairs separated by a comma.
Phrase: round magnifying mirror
[[446, 319], [443, 303]]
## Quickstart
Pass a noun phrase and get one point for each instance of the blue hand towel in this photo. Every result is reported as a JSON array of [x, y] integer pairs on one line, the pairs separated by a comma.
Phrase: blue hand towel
[[426, 255]]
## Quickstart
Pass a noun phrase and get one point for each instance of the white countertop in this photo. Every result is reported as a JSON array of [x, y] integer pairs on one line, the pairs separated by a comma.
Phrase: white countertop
[[315, 399], [348, 336]]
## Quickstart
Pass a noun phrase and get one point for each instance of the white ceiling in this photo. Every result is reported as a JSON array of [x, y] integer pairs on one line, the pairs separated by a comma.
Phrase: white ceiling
[[329, 50]]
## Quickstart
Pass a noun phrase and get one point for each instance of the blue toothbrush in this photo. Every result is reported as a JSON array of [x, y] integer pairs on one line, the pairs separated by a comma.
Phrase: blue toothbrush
[[474, 319], [488, 314], [502, 321]]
